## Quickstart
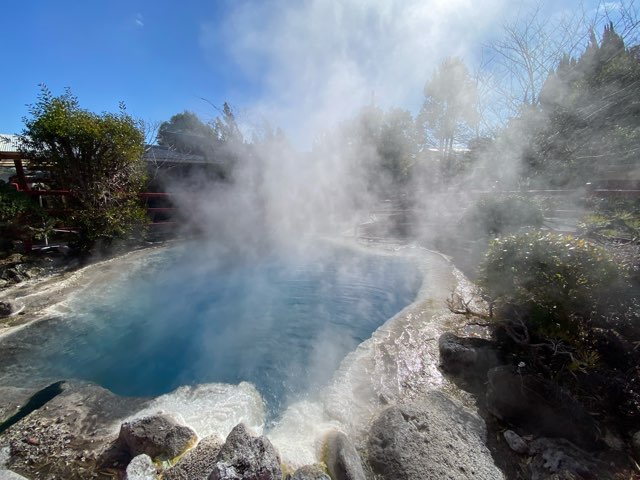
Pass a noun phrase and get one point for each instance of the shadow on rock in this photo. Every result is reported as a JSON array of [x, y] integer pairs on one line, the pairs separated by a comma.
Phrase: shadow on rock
[[468, 360], [538, 406]]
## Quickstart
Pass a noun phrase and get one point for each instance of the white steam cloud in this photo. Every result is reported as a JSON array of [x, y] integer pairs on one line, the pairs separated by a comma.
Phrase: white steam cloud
[[320, 61], [314, 64]]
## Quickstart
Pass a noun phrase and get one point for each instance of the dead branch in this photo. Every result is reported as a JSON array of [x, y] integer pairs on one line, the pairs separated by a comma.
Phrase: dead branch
[[458, 305]]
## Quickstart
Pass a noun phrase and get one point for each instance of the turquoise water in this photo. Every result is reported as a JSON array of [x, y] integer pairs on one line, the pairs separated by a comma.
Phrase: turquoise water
[[283, 323]]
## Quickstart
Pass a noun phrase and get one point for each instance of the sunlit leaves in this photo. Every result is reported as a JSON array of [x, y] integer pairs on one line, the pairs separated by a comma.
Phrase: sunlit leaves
[[495, 215], [564, 283], [98, 157]]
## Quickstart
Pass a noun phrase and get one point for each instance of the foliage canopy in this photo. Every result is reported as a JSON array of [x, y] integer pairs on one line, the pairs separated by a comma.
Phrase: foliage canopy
[[220, 142], [497, 215], [20, 215], [449, 113], [560, 285], [97, 157]]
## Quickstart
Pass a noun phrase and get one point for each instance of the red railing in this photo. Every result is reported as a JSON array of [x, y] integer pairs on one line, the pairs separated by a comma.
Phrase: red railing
[[67, 193], [152, 211]]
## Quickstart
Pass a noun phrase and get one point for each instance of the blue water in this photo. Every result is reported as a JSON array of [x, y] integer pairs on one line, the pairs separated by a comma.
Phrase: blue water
[[283, 323]]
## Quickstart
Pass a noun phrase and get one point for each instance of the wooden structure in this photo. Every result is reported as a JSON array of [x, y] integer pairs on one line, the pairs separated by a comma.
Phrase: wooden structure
[[10, 157], [159, 205], [163, 162]]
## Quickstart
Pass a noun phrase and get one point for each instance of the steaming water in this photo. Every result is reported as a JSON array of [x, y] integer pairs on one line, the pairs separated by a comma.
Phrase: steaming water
[[283, 324]]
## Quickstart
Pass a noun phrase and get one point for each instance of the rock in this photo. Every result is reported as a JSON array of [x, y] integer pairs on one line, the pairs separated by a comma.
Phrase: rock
[[12, 399], [141, 468], [468, 357], [33, 272], [635, 444], [559, 458], [538, 406], [159, 436], [197, 463], [515, 442], [75, 428], [341, 457], [247, 457], [13, 275], [434, 437], [9, 475], [16, 258], [5, 454], [6, 309], [613, 441], [614, 349], [310, 472]]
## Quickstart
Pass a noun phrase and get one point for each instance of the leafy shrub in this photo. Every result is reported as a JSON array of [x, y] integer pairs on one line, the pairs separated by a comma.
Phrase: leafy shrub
[[562, 286], [482, 221], [97, 157], [613, 218], [494, 216], [19, 215]]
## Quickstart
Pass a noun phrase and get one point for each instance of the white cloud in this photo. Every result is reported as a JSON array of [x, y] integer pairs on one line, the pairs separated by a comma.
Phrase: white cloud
[[138, 20]]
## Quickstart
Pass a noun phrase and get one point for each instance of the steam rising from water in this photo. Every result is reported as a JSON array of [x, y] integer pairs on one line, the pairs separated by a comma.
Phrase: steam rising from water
[[321, 61], [315, 64], [399, 360], [282, 322]]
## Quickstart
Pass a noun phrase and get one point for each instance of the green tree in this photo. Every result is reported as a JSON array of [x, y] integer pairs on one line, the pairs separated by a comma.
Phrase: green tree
[[21, 218], [232, 148], [558, 285], [220, 141], [592, 109], [397, 145], [449, 113], [186, 133], [97, 157], [385, 144], [226, 128]]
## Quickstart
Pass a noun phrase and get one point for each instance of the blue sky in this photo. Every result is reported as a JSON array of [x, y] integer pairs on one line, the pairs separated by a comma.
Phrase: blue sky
[[301, 63], [145, 53]]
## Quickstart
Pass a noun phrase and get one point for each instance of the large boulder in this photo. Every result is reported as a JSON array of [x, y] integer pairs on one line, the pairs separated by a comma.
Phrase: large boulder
[[75, 428], [341, 457], [310, 472], [431, 438], [197, 463], [245, 456], [159, 436], [538, 406], [467, 357]]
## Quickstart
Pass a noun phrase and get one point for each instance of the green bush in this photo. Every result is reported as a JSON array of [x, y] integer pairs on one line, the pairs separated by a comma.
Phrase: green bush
[[488, 218], [562, 286], [20, 216], [494, 216], [97, 157], [612, 218]]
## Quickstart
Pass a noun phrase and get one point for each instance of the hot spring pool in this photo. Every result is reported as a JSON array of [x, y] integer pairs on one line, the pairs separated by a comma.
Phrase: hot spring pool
[[181, 317]]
